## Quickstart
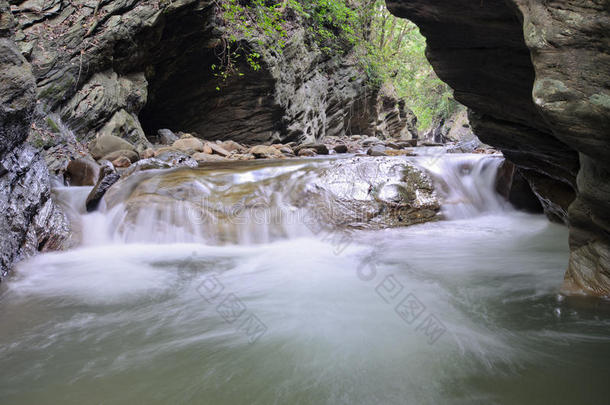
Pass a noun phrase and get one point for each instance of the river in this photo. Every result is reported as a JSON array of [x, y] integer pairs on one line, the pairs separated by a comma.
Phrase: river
[[174, 310]]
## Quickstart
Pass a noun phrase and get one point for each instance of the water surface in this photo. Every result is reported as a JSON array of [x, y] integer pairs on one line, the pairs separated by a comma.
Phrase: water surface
[[459, 311]]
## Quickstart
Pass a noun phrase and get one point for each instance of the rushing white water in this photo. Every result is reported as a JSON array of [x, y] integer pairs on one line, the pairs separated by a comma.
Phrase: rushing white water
[[466, 183], [293, 320]]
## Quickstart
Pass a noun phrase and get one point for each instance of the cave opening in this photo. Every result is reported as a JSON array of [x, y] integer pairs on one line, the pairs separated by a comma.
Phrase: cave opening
[[186, 93]]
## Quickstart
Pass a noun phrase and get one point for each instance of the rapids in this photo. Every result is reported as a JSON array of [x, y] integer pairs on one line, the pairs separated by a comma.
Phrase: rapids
[[261, 308]]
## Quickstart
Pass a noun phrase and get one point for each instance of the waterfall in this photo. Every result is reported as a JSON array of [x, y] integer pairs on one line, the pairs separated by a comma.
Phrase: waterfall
[[466, 183], [259, 203]]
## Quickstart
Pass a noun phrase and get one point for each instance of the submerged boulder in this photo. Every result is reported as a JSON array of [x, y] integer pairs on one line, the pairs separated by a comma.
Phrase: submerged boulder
[[372, 193]]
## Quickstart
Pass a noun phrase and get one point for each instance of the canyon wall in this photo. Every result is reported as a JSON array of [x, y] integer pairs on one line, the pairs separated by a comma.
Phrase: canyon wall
[[536, 77], [30, 221]]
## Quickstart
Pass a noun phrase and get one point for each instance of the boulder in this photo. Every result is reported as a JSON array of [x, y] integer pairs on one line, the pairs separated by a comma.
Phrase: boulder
[[377, 150], [265, 152], [371, 193], [121, 162], [205, 157], [103, 145], [392, 145], [166, 137], [82, 172], [307, 152], [319, 148], [341, 148], [407, 144], [130, 155], [126, 126], [231, 146], [107, 177], [287, 151], [217, 149], [207, 148], [175, 158], [370, 141], [188, 145]]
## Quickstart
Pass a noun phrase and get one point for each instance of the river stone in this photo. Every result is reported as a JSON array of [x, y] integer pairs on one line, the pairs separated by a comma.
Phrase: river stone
[[265, 152], [130, 155], [121, 162], [106, 144], [341, 148], [107, 177], [166, 137], [82, 172], [319, 148], [205, 157], [147, 154], [231, 146], [407, 144], [188, 145], [175, 158], [377, 150], [217, 149], [287, 151], [370, 141], [307, 152], [392, 145]]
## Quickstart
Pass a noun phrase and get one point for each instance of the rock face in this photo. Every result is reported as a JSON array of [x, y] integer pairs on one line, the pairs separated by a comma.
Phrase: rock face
[[30, 220], [535, 76], [129, 68], [381, 115]]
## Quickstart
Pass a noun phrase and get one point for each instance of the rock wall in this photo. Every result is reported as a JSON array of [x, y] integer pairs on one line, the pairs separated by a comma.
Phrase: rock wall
[[134, 66], [535, 76], [30, 221]]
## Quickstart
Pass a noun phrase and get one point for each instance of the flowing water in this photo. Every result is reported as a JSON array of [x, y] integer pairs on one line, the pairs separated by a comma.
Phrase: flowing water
[[176, 306]]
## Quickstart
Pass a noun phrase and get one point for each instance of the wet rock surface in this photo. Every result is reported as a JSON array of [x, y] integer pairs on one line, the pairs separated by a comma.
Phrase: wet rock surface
[[30, 220], [107, 177], [295, 195], [372, 193]]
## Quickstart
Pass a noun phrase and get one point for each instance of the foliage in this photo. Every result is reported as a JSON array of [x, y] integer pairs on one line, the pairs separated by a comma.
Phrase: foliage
[[391, 51], [396, 53]]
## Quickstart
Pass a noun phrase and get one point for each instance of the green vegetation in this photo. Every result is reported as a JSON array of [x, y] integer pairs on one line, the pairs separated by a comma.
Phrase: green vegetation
[[396, 52], [391, 50]]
